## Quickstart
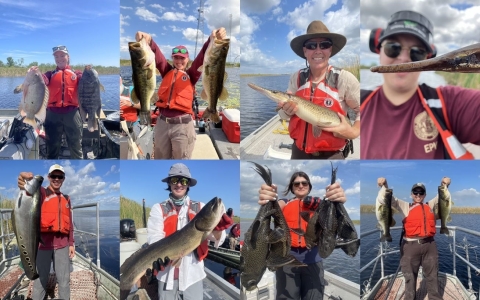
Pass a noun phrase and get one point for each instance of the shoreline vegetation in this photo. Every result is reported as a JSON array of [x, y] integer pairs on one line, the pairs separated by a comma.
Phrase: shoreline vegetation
[[22, 71], [128, 62], [370, 208]]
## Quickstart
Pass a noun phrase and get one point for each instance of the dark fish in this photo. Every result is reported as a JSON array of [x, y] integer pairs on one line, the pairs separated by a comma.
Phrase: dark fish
[[385, 215], [463, 60], [89, 99], [347, 238], [26, 225], [327, 220]]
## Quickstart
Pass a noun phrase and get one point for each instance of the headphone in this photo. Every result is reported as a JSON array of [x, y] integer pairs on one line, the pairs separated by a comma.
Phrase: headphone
[[374, 45]]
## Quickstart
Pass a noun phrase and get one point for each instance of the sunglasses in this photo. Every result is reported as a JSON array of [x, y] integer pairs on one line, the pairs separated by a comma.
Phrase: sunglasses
[[183, 181], [313, 45], [393, 50], [297, 183], [418, 193], [177, 50], [57, 176], [59, 48]]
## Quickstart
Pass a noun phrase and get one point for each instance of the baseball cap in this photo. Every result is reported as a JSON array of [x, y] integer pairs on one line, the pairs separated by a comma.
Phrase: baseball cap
[[419, 185], [56, 167], [180, 170], [410, 22], [60, 48], [180, 51]]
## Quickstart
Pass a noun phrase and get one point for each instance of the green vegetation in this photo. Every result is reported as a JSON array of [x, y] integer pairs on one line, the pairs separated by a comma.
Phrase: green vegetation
[[353, 66], [7, 203], [368, 67], [369, 208], [467, 80], [356, 222]]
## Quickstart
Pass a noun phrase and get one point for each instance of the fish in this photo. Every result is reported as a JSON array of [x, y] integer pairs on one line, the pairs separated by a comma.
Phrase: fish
[[444, 208], [347, 237], [463, 60], [174, 246], [327, 220], [311, 113], [144, 77], [214, 76], [35, 97], [26, 224], [384, 215], [89, 99]]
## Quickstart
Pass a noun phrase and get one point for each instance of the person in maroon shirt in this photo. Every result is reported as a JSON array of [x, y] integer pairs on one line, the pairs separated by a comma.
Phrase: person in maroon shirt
[[174, 131], [396, 124], [56, 244]]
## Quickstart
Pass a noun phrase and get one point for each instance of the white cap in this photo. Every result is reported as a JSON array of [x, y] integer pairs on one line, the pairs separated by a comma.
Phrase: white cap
[[56, 167]]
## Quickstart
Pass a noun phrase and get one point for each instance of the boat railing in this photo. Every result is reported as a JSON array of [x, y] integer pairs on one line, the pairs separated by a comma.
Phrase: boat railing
[[6, 235], [383, 252], [97, 234]]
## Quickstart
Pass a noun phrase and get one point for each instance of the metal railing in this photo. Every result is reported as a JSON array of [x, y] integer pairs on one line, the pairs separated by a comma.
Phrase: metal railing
[[98, 226], [4, 234], [383, 253]]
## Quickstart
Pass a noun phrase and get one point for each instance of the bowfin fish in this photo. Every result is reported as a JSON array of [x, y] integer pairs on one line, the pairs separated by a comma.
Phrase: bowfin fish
[[214, 76], [34, 98], [311, 113], [444, 208], [90, 102], [384, 214], [26, 224], [463, 60], [347, 237]]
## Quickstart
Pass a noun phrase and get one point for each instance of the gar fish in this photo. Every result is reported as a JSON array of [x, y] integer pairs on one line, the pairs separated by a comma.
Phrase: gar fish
[[144, 77], [89, 99], [26, 224], [214, 76], [35, 97], [311, 113], [444, 207], [463, 60], [384, 215]]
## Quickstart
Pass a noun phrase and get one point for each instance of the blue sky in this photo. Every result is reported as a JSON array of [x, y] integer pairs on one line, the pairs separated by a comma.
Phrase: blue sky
[[402, 175], [173, 23], [268, 26], [348, 176], [89, 29], [85, 181], [455, 22], [143, 180]]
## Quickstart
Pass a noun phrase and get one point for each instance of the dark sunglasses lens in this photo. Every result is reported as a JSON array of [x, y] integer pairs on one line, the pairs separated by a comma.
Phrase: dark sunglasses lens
[[417, 54], [184, 181], [298, 183], [325, 45], [392, 50], [57, 176], [173, 180], [311, 45], [417, 193]]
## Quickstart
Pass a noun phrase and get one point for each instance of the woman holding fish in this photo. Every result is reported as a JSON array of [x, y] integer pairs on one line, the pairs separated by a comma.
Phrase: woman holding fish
[[418, 247], [324, 85], [174, 131], [406, 120]]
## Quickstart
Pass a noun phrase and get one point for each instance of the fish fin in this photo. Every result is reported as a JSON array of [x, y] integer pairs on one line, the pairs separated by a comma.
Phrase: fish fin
[[225, 77], [386, 238], [42, 113], [18, 89], [91, 123], [102, 88], [150, 73], [200, 69], [83, 113], [276, 235], [392, 223], [206, 70], [30, 122], [133, 96], [212, 115], [449, 218], [305, 216], [224, 95], [145, 118], [378, 226], [317, 131], [154, 98], [274, 261], [298, 231], [203, 95], [445, 231], [263, 171]]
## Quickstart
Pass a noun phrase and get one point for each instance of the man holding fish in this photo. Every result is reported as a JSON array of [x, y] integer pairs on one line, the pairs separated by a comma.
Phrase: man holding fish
[[174, 131], [418, 247]]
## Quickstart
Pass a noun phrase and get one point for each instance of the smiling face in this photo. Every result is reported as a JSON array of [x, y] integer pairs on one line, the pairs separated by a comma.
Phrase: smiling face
[[178, 189], [180, 62], [418, 198], [61, 59], [300, 187], [56, 179], [317, 58]]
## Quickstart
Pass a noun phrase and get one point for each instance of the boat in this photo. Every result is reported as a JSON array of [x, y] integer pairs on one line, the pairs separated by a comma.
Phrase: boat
[[225, 256], [394, 284], [87, 279]]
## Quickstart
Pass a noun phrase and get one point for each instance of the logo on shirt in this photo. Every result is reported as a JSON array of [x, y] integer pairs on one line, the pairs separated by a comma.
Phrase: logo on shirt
[[424, 128], [328, 102], [184, 77], [74, 76]]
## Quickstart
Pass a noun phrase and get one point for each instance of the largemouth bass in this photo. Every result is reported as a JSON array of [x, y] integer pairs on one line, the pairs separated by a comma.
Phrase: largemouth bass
[[144, 77], [463, 60], [26, 225], [444, 207], [311, 113], [35, 97], [89, 99], [384, 215], [174, 246], [214, 76]]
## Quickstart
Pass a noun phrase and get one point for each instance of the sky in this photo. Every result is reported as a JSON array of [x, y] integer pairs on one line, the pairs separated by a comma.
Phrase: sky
[[455, 22], [214, 179], [89, 29], [85, 181], [402, 175], [173, 23], [348, 175], [268, 26]]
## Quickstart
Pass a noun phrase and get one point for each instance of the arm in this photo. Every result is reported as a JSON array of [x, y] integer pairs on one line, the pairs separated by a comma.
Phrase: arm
[[398, 204], [161, 62], [155, 225], [46, 77], [286, 110], [79, 75], [71, 241]]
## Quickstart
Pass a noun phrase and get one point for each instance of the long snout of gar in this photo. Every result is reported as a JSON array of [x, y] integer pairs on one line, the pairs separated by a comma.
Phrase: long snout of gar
[[463, 60]]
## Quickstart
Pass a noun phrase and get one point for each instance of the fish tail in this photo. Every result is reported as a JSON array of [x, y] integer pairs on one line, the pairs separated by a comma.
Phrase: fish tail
[[145, 118], [92, 121], [264, 172], [444, 230], [211, 114], [30, 122]]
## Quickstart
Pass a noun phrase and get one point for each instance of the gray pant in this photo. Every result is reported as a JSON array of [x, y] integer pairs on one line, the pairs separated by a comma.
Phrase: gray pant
[[193, 292], [174, 141], [55, 125], [300, 282], [61, 265]]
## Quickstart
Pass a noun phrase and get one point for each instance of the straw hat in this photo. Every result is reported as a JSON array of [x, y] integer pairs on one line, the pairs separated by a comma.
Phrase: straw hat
[[317, 29]]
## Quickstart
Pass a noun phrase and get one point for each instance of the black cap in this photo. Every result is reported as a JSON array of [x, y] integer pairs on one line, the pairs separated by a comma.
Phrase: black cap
[[419, 185], [410, 22]]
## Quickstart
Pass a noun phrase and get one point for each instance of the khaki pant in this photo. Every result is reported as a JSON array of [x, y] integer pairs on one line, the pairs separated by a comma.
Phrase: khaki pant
[[174, 141]]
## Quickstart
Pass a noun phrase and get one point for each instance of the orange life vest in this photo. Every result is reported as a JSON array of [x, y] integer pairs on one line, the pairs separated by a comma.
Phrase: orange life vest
[[291, 211], [56, 212], [62, 89], [176, 92], [129, 112], [170, 219], [420, 221], [434, 105], [326, 95]]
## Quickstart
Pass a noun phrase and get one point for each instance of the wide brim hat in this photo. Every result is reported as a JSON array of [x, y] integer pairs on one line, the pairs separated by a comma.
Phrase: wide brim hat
[[317, 29], [419, 185], [180, 170]]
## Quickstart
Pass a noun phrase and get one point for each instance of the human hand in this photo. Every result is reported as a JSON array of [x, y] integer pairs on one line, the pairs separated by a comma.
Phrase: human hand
[[342, 130], [382, 181], [139, 35], [219, 33], [125, 102], [446, 181], [71, 251], [290, 108], [224, 223], [267, 193], [335, 193], [22, 177]]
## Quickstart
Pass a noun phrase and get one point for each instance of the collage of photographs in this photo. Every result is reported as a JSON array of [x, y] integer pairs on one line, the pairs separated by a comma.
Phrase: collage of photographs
[[248, 113]]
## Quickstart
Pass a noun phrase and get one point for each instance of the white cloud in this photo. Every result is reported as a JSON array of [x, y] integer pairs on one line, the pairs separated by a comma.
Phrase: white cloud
[[123, 22], [126, 7], [353, 190], [258, 7], [146, 15], [277, 10], [158, 6], [114, 186], [176, 16], [175, 28]]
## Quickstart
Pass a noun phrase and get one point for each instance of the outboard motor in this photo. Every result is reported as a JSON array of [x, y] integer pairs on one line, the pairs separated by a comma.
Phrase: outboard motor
[[127, 229], [20, 142]]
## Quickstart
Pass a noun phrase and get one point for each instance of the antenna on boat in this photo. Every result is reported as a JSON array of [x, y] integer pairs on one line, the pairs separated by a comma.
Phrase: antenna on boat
[[199, 25]]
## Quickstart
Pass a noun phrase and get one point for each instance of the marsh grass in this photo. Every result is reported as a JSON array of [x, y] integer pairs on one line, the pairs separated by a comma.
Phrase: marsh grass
[[352, 65], [7, 203], [130, 209], [368, 208], [22, 71], [467, 80]]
